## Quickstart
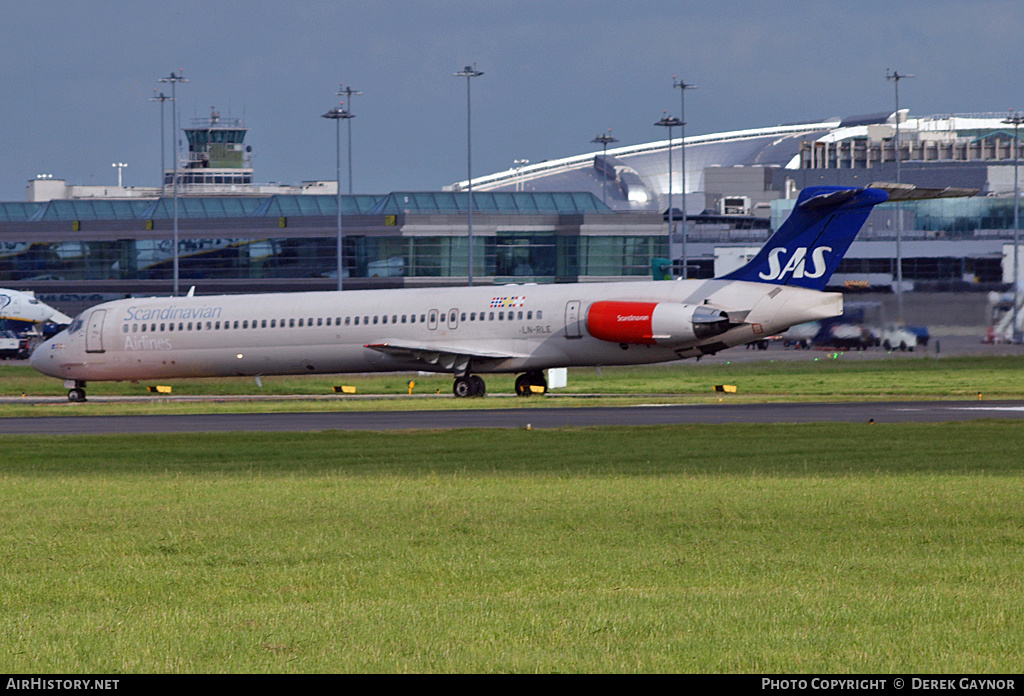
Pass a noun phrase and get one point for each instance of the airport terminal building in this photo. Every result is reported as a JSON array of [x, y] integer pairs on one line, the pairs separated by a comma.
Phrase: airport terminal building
[[591, 217]]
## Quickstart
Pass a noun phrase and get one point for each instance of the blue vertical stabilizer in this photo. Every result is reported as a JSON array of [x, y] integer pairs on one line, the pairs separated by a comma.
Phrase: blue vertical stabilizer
[[813, 240]]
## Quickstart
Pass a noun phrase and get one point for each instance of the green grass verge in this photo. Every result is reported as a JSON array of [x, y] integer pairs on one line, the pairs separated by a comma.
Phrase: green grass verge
[[749, 548], [828, 378]]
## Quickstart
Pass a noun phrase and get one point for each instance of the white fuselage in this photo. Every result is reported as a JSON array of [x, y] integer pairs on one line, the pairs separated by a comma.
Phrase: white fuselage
[[486, 329]]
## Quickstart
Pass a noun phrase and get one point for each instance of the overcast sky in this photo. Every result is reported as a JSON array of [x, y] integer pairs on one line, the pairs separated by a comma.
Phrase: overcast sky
[[77, 75]]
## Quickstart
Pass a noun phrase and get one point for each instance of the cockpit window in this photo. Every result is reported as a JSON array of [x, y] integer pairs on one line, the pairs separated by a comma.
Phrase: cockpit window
[[76, 324]]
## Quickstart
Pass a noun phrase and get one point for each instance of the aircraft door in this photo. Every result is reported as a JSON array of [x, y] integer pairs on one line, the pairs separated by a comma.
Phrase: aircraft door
[[572, 319], [94, 332], [453, 318], [432, 319]]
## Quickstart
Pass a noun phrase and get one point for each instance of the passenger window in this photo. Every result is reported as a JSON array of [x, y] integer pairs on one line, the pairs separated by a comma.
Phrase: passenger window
[[529, 315], [501, 316], [328, 321], [385, 319], [347, 320], [423, 318], [412, 318], [291, 323], [463, 317], [170, 327], [236, 323], [491, 316], [162, 327], [263, 324], [394, 318], [539, 314], [143, 328], [245, 324], [273, 323], [135, 328], [520, 315], [375, 319]]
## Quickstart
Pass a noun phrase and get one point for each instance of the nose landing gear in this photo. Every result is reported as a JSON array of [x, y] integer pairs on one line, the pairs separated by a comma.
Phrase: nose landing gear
[[77, 391]]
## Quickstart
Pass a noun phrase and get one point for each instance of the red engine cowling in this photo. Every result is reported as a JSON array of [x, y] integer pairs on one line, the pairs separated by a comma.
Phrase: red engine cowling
[[649, 323]]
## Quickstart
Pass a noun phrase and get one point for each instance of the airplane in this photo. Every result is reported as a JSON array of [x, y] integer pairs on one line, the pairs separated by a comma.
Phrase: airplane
[[471, 331], [23, 307]]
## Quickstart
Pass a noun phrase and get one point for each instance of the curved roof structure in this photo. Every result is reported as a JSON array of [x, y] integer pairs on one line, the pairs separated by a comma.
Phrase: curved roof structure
[[636, 177]]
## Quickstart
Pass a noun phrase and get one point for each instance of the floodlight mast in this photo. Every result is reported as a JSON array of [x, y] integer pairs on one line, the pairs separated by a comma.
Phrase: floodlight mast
[[682, 86], [119, 166], [337, 114], [174, 79], [469, 72], [669, 122], [895, 77]]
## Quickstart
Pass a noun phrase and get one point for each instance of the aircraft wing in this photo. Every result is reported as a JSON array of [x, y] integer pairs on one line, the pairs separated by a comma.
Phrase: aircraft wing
[[450, 356]]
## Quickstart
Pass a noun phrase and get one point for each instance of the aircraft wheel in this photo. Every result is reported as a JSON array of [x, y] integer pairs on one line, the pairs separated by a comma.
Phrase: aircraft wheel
[[463, 387], [479, 387], [76, 395], [523, 386]]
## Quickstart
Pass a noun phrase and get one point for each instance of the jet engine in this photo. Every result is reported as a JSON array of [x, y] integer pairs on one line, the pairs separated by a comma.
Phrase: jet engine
[[649, 323]]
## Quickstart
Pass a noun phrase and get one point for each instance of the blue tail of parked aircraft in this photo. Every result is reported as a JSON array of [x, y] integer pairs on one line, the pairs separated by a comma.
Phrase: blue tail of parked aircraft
[[810, 244]]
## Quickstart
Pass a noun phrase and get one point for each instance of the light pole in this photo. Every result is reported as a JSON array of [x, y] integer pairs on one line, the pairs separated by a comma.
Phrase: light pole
[[161, 98], [1015, 120], [119, 166], [174, 79], [469, 72], [682, 86], [669, 122], [337, 114], [603, 140], [519, 164], [347, 92], [896, 77]]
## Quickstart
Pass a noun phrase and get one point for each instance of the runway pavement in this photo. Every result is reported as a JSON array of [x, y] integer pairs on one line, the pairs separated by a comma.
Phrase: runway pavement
[[862, 412]]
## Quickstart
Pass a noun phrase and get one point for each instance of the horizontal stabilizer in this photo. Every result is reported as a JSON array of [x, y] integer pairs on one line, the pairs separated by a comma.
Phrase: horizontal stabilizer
[[909, 192]]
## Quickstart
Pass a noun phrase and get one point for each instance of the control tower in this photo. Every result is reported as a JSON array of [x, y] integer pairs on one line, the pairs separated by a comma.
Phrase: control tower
[[217, 161]]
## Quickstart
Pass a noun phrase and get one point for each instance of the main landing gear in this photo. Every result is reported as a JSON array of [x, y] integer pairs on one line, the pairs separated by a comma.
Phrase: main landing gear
[[527, 384], [77, 391], [469, 385]]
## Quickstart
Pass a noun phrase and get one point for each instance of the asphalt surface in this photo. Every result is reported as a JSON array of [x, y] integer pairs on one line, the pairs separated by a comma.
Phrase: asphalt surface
[[877, 412]]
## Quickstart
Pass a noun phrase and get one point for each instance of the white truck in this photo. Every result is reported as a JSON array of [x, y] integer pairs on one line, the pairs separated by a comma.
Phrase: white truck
[[12, 346]]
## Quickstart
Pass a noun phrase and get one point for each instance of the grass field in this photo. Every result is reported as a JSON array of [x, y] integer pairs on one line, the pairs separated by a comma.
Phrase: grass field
[[739, 548]]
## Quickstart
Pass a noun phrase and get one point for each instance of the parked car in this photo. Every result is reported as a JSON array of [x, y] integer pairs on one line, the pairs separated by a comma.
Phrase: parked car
[[900, 337]]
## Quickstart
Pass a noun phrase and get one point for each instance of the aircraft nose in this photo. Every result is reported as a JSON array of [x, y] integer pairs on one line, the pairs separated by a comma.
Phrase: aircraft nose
[[44, 358]]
